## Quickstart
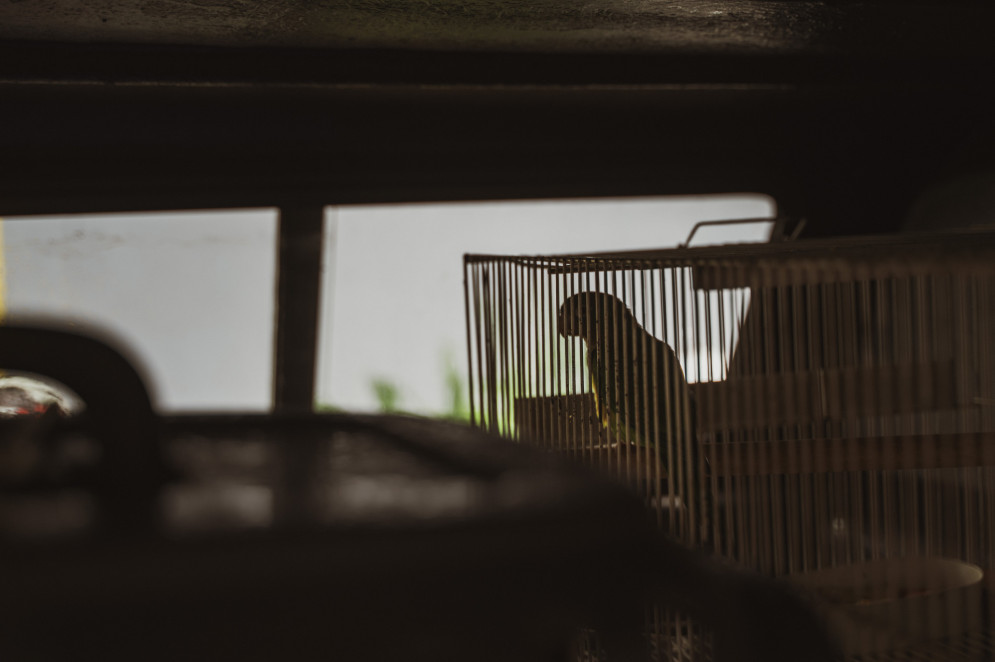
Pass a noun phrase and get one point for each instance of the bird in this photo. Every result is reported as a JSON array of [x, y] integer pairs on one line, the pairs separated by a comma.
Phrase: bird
[[641, 394], [639, 387]]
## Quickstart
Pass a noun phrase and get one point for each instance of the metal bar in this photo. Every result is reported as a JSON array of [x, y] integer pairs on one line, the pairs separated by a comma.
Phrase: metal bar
[[298, 302], [928, 451], [469, 339], [490, 347], [501, 338], [480, 417], [732, 221], [866, 246]]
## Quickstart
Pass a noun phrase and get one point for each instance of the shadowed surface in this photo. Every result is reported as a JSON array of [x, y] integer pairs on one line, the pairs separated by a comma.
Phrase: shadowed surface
[[623, 25]]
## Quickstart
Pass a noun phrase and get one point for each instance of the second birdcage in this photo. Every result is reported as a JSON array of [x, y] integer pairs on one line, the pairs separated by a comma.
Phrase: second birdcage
[[822, 412]]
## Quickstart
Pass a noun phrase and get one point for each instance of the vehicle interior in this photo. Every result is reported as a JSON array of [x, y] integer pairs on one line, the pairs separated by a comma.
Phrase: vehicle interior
[[861, 119]]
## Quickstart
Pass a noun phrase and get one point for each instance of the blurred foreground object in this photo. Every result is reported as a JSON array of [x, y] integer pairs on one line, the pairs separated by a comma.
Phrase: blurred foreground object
[[22, 395], [335, 536]]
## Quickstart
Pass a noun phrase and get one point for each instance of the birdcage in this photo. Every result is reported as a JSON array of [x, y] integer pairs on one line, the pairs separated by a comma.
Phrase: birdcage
[[819, 411]]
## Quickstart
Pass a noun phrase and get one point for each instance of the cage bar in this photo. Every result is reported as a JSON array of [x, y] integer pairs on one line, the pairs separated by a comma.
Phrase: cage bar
[[818, 411]]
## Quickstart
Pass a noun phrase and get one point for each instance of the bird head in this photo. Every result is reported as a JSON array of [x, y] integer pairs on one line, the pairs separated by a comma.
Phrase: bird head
[[582, 313]]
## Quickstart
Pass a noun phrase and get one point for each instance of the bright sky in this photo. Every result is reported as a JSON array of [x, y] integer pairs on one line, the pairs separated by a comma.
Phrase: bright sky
[[398, 310], [192, 292]]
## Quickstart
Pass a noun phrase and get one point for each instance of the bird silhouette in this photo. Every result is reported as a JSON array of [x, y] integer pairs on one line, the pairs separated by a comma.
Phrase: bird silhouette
[[641, 394], [638, 384]]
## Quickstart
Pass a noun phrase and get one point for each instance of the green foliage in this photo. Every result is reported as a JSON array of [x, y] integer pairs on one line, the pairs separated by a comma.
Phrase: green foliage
[[456, 390], [387, 394]]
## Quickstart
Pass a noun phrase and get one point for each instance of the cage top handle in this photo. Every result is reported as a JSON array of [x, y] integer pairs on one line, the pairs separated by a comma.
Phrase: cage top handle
[[781, 224]]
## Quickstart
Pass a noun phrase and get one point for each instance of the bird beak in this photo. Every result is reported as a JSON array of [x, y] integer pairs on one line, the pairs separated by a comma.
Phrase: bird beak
[[566, 320]]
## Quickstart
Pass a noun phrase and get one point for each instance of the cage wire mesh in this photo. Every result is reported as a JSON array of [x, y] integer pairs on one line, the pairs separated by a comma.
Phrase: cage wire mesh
[[818, 411]]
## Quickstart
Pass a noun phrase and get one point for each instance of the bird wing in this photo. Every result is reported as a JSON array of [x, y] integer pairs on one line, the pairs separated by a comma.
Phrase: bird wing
[[639, 388], [617, 375]]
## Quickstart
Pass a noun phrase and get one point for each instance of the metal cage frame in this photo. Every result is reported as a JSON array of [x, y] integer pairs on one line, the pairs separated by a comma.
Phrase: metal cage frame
[[839, 410]]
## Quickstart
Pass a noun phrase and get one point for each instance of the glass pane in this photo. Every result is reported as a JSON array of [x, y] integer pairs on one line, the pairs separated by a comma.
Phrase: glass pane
[[191, 293], [393, 333]]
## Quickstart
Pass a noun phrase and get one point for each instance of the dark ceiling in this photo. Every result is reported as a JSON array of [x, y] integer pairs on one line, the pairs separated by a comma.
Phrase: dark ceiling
[[844, 111], [596, 26]]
